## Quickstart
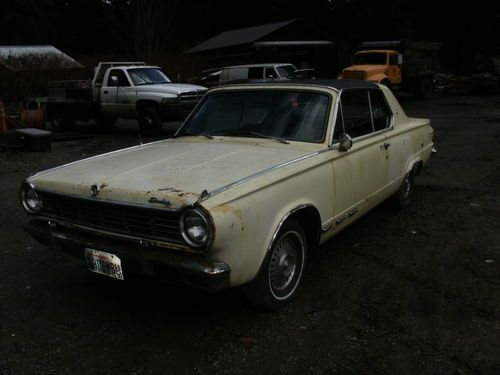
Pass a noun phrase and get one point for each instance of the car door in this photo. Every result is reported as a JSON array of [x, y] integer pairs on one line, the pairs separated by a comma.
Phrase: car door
[[360, 174], [395, 146], [115, 94]]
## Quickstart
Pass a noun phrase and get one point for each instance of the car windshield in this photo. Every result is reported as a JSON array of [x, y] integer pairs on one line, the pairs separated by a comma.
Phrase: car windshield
[[277, 114], [372, 58], [286, 70], [147, 76]]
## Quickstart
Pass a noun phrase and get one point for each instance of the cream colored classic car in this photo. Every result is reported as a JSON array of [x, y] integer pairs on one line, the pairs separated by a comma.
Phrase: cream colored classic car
[[256, 177]]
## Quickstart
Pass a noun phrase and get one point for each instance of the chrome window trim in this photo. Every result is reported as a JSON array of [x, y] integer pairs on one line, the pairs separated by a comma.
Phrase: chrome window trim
[[373, 133], [219, 90]]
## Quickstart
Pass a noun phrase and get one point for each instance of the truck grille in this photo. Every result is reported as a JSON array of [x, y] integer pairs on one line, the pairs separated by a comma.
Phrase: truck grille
[[354, 74], [192, 96], [113, 217]]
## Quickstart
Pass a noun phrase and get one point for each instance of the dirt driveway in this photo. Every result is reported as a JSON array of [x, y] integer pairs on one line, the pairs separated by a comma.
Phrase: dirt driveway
[[413, 292]]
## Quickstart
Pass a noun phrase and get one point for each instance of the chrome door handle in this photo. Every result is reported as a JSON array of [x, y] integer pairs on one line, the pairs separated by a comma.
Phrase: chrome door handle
[[385, 146]]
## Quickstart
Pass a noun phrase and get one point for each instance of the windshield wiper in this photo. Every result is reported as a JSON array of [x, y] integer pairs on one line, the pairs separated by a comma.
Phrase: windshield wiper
[[242, 133], [270, 137]]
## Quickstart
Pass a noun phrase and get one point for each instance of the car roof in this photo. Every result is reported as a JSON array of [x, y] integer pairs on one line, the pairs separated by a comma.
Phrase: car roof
[[338, 84], [257, 65]]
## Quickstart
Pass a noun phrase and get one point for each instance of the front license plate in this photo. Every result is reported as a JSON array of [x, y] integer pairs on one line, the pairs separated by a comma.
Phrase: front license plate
[[104, 263]]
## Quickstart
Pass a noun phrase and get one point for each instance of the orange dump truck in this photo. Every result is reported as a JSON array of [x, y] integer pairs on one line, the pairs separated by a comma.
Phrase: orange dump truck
[[407, 66]]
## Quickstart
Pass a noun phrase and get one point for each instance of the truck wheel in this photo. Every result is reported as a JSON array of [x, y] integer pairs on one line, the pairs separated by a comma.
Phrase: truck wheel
[[150, 122], [281, 272], [62, 121], [105, 122], [423, 88]]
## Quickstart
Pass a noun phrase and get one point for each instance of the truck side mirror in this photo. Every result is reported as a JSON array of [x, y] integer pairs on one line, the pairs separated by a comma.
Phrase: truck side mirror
[[400, 59], [114, 79]]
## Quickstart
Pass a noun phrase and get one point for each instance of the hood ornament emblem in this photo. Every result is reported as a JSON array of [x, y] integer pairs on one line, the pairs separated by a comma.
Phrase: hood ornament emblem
[[94, 190]]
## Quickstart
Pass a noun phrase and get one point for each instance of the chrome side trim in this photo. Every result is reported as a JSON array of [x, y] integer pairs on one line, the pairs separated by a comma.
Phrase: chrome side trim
[[326, 228], [340, 220], [255, 175]]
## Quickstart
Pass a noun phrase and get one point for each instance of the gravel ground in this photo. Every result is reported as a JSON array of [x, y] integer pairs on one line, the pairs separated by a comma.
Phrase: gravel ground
[[411, 292]]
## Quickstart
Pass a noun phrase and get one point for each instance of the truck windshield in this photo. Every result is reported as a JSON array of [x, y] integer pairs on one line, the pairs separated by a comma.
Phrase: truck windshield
[[281, 115], [286, 70], [147, 76], [372, 58]]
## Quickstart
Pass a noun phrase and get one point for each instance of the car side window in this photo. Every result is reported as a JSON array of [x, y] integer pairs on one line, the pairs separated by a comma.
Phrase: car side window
[[393, 59], [271, 73], [381, 113], [256, 73], [120, 75], [355, 113]]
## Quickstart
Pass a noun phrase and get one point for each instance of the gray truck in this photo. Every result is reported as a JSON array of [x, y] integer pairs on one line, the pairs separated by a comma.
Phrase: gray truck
[[125, 90]]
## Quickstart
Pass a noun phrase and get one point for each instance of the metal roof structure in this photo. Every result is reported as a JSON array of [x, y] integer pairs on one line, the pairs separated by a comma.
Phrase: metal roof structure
[[338, 84], [253, 35], [19, 58]]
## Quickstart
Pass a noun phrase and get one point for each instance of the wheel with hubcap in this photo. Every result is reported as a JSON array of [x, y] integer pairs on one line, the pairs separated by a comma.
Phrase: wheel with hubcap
[[150, 122], [402, 198], [281, 272], [105, 122]]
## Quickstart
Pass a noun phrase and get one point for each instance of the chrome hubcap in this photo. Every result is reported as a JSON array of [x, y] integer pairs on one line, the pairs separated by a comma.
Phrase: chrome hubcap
[[284, 261]]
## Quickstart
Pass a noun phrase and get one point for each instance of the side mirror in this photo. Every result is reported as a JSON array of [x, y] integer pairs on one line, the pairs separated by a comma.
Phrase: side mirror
[[400, 59], [114, 79], [345, 142]]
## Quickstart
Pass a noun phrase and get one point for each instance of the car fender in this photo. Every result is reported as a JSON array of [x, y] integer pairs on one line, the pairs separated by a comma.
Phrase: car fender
[[247, 225]]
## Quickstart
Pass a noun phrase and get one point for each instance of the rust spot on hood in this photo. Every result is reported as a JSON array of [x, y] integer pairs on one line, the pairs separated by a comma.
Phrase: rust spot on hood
[[171, 190]]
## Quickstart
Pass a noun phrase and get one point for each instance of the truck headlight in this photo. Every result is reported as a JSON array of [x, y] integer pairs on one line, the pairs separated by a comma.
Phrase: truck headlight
[[170, 100], [195, 228], [29, 198]]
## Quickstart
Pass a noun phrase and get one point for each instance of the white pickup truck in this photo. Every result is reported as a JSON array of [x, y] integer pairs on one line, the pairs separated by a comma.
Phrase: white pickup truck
[[122, 89]]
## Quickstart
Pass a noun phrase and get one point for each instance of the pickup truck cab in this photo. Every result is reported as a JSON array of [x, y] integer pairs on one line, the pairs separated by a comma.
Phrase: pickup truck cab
[[257, 176], [126, 90], [146, 93]]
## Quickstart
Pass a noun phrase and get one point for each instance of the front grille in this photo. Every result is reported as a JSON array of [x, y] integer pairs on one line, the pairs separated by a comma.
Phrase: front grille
[[192, 96], [113, 217], [354, 74]]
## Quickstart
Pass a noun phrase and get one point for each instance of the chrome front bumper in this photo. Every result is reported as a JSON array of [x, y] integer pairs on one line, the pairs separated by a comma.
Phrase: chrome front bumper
[[137, 256]]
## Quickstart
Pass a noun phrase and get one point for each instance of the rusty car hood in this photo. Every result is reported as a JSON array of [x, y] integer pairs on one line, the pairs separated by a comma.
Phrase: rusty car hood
[[171, 173]]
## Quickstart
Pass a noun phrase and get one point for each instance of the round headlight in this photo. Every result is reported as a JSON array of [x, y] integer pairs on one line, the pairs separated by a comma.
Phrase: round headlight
[[29, 199], [195, 228]]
